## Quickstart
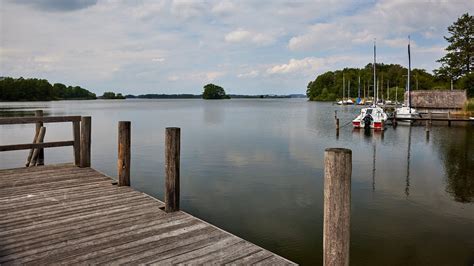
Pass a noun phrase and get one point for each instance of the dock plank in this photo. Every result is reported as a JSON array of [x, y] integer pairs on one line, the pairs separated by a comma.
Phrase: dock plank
[[62, 214]]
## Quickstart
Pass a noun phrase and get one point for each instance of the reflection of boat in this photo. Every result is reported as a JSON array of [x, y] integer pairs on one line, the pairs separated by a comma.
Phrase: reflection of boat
[[407, 111], [374, 116]]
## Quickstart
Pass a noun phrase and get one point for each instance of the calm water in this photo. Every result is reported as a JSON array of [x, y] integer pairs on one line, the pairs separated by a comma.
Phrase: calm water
[[255, 168]]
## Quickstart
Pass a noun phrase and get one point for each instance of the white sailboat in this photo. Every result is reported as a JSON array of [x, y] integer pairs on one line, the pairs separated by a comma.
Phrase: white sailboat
[[371, 117], [342, 102], [349, 100], [407, 111]]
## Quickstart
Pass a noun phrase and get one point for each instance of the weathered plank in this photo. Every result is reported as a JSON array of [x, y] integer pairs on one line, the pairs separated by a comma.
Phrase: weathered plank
[[26, 146], [69, 215], [33, 120]]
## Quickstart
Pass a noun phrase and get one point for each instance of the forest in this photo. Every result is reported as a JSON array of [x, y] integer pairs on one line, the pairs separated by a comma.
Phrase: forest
[[33, 89]]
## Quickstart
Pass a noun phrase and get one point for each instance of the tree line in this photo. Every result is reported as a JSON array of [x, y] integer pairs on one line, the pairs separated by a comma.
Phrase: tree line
[[40, 90], [456, 69]]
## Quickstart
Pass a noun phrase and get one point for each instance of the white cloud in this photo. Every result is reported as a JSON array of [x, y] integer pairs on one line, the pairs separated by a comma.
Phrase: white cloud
[[250, 74], [158, 59], [305, 65], [245, 36]]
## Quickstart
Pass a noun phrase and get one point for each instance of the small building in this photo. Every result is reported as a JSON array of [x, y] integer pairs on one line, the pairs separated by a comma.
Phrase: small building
[[437, 100]]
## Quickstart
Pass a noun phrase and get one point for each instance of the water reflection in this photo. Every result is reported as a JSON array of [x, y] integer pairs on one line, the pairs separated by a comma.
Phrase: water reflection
[[407, 187], [457, 152]]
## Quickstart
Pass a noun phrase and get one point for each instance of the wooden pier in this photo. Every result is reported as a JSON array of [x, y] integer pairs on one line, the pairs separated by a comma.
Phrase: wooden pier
[[72, 214]]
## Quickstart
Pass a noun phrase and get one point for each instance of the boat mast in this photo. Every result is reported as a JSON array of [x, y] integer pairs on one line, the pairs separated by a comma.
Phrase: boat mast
[[358, 93], [343, 88], [408, 80], [349, 90], [388, 91], [375, 78]]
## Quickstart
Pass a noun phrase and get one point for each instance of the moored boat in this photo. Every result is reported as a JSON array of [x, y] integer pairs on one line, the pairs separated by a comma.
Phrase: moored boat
[[372, 117], [407, 112]]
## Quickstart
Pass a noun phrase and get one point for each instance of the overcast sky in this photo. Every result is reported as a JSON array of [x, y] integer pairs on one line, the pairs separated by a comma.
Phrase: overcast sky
[[248, 47]]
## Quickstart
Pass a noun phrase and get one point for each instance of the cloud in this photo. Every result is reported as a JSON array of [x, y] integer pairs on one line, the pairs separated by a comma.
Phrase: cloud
[[305, 65], [245, 36], [250, 74], [58, 5], [158, 59]]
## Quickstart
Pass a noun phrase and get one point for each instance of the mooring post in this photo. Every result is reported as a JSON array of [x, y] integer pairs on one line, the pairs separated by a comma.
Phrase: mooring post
[[85, 141], [172, 154], [449, 118], [40, 160], [123, 162], [337, 124], [36, 152], [431, 122], [76, 132], [337, 206], [394, 120]]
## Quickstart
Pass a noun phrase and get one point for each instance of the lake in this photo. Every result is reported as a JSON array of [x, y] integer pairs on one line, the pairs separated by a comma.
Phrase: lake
[[254, 167]]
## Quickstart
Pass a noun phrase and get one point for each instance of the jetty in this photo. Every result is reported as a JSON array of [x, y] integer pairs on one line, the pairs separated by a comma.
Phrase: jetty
[[73, 214]]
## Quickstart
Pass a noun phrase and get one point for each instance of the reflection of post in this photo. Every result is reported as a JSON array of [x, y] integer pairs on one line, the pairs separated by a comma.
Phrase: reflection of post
[[427, 130], [373, 170], [407, 187]]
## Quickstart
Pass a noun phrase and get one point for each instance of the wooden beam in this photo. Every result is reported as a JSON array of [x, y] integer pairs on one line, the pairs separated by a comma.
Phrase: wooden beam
[[124, 146], [85, 141], [76, 133], [337, 206], [26, 146], [172, 154], [33, 120], [39, 125], [36, 152]]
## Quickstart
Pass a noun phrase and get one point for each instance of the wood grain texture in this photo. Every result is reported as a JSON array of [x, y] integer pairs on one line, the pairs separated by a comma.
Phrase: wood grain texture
[[63, 214], [337, 206], [124, 149], [40, 160], [85, 142], [172, 163], [34, 120], [76, 133], [36, 152]]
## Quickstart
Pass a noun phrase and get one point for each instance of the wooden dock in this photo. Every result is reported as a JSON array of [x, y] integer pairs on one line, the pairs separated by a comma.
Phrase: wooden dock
[[63, 214]]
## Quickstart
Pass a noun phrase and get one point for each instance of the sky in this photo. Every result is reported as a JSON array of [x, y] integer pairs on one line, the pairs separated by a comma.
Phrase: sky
[[247, 47]]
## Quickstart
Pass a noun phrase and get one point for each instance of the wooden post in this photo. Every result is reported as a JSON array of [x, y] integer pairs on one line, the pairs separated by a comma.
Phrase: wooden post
[[337, 206], [36, 152], [394, 121], [85, 141], [76, 133], [124, 143], [172, 154], [449, 118], [431, 122], [40, 160], [337, 124], [30, 155]]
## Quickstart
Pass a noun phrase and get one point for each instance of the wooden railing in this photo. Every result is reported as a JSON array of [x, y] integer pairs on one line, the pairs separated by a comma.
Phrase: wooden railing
[[81, 142]]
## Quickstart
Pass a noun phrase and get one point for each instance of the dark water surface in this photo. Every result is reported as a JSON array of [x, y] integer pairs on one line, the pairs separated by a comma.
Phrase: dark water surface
[[255, 168]]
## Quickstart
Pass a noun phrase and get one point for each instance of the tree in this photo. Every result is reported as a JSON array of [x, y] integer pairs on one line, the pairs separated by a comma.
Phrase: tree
[[459, 60], [212, 91]]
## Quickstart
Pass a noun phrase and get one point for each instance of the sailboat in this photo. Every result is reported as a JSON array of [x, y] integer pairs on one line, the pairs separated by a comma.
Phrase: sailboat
[[371, 117], [342, 102], [349, 100], [407, 111]]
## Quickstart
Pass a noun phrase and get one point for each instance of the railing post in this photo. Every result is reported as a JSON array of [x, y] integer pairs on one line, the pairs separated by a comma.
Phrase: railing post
[[124, 147], [76, 132], [85, 141], [40, 160], [337, 206], [36, 152], [172, 154]]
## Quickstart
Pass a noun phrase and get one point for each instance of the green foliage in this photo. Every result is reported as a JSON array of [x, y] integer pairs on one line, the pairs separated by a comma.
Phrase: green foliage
[[39, 90], [328, 86], [112, 96], [212, 91], [459, 59], [467, 83]]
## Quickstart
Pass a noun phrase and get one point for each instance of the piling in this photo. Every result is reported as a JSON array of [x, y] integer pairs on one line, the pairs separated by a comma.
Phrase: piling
[[337, 206], [172, 163], [430, 116], [123, 162], [76, 132], [337, 124], [449, 119], [40, 160], [394, 119], [85, 142], [36, 152]]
